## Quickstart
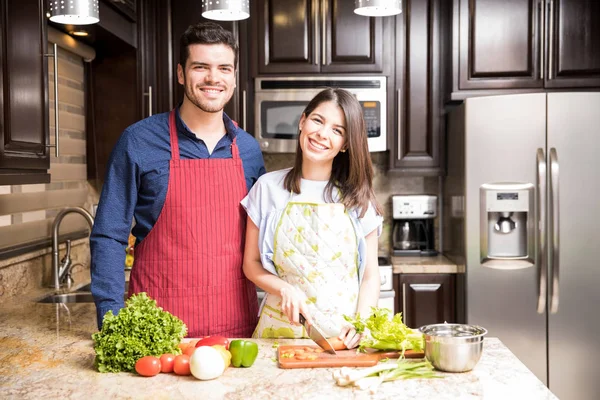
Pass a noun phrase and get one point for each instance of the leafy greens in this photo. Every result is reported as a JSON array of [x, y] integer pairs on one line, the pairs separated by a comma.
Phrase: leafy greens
[[386, 333], [140, 329]]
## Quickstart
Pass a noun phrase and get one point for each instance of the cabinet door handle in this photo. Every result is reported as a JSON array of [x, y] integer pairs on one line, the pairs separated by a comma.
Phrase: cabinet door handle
[[149, 94], [399, 130], [316, 28], [550, 37], [323, 32], [542, 33], [244, 110], [55, 57], [404, 303]]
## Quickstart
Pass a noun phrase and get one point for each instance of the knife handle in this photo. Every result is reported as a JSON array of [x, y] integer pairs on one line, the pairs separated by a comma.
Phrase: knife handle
[[302, 319]]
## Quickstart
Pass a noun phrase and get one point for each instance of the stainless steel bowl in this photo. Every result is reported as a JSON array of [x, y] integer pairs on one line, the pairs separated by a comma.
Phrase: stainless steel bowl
[[453, 347]]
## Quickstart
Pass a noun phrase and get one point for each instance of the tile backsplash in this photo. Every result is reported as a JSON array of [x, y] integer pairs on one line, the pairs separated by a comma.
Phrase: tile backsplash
[[385, 185]]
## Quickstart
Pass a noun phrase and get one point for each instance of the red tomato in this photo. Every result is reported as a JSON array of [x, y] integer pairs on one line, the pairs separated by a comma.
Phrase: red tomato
[[181, 366], [147, 366], [213, 340], [166, 362], [189, 350]]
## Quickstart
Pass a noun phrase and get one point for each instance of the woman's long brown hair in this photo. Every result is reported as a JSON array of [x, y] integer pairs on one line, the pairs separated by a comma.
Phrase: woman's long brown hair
[[352, 170]]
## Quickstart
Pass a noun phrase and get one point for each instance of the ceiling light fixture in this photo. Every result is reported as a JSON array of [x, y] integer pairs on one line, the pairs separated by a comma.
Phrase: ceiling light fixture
[[226, 10], [377, 8], [74, 12]]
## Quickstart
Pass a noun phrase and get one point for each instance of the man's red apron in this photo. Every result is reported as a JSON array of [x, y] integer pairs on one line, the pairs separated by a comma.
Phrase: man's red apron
[[191, 261]]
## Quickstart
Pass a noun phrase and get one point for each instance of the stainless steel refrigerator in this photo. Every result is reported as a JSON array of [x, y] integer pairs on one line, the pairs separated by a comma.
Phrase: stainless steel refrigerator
[[528, 165]]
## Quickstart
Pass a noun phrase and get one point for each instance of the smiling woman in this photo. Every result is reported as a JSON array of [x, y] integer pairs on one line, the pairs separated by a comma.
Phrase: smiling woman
[[317, 224]]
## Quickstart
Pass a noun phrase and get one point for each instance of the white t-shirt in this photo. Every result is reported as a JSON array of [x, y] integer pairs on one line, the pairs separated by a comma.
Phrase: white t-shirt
[[267, 200]]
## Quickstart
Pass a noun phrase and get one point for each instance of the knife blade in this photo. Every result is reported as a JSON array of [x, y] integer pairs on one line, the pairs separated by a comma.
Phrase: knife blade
[[317, 336]]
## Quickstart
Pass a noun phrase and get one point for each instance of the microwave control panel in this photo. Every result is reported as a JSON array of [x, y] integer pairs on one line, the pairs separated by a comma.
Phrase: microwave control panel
[[372, 116]]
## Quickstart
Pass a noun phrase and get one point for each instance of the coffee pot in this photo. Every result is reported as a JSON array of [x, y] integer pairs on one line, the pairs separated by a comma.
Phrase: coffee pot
[[413, 227]]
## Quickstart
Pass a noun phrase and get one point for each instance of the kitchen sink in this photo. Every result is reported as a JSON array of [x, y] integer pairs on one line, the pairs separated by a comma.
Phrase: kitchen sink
[[81, 297]]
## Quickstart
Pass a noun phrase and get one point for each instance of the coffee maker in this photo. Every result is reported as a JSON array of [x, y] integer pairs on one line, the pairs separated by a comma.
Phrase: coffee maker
[[413, 230]]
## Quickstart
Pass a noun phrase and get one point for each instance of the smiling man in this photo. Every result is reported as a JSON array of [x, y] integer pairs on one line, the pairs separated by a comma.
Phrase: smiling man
[[180, 176]]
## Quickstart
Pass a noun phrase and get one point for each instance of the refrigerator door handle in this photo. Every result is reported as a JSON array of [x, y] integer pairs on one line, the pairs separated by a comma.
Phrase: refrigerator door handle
[[554, 226], [542, 260]]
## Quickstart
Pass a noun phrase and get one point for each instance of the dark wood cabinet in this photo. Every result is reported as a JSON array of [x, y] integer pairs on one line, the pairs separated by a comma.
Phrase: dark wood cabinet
[[24, 119], [499, 44], [524, 45], [137, 67], [573, 44], [426, 298], [315, 36], [155, 66], [417, 145]]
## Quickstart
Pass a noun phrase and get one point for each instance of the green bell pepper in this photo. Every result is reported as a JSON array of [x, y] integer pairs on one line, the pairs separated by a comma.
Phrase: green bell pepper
[[243, 352]]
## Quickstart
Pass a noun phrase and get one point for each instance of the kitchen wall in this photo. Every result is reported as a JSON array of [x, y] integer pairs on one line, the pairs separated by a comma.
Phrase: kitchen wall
[[68, 186], [385, 185]]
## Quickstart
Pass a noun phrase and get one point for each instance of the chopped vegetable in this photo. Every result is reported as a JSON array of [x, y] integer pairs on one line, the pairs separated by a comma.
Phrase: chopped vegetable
[[140, 329], [243, 352], [386, 333]]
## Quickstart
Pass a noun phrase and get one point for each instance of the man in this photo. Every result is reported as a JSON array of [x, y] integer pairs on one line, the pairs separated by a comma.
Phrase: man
[[181, 176]]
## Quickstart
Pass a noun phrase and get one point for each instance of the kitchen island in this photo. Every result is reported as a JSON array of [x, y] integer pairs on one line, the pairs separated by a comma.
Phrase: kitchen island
[[46, 352]]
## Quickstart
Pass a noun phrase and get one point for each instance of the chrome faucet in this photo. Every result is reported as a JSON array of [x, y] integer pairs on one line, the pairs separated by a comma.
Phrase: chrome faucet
[[62, 269]]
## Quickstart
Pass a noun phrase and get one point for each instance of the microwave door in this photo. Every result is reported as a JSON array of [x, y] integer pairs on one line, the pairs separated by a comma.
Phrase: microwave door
[[277, 119]]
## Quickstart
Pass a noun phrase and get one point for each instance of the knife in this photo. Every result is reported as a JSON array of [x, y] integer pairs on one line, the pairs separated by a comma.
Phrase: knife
[[317, 336]]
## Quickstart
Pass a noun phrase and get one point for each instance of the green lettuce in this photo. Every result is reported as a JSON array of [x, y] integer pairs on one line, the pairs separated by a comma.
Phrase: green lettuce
[[386, 333], [140, 329]]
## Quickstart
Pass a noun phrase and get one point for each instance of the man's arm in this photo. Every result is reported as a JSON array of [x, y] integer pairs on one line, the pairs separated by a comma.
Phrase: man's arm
[[112, 226]]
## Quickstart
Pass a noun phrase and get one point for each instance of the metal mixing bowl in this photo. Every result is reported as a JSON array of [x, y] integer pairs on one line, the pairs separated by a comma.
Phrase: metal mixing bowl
[[453, 347]]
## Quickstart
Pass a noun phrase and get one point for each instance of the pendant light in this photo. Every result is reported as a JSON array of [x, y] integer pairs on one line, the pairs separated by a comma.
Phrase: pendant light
[[377, 8], [226, 10], [74, 12]]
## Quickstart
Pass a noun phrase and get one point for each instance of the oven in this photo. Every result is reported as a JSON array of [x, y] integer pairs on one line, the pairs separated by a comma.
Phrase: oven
[[279, 103]]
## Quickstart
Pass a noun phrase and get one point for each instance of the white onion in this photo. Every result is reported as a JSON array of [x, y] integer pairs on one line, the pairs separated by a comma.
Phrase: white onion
[[206, 363]]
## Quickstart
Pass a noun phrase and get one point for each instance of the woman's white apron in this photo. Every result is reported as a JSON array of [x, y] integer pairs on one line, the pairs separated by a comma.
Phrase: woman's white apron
[[316, 251]]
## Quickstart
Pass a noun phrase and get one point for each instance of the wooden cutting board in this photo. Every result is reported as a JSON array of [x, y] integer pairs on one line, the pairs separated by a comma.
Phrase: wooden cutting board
[[344, 358]]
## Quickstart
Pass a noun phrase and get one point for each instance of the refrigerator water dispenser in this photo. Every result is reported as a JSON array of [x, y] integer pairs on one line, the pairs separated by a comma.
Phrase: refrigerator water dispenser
[[507, 225]]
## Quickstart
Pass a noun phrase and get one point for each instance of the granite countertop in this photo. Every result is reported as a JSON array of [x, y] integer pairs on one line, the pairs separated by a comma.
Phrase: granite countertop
[[425, 265], [46, 352]]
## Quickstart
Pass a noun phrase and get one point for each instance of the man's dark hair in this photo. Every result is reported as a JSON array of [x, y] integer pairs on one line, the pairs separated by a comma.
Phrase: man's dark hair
[[206, 33]]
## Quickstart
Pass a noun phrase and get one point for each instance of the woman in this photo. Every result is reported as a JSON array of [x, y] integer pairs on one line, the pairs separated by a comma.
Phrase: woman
[[312, 230]]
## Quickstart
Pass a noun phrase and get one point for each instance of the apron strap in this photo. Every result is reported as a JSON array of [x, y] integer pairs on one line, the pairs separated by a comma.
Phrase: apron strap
[[173, 136]]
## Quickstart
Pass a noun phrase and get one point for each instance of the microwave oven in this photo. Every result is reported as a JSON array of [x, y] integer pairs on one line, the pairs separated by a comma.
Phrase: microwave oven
[[279, 103]]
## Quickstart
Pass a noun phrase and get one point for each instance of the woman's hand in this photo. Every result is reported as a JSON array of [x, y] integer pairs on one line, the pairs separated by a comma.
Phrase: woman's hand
[[293, 302], [349, 336]]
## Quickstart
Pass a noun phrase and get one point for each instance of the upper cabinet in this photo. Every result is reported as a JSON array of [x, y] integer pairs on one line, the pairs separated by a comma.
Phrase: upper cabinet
[[420, 51], [573, 43], [525, 44], [315, 36], [24, 119]]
